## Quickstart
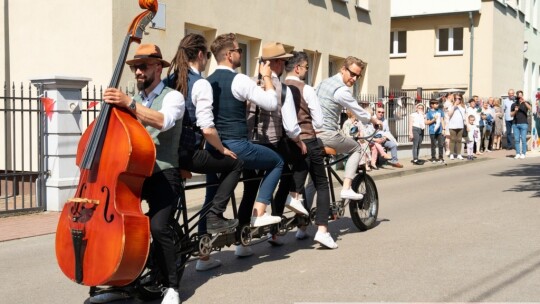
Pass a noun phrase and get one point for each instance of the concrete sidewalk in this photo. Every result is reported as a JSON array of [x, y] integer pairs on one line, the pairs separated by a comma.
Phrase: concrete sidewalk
[[28, 225]]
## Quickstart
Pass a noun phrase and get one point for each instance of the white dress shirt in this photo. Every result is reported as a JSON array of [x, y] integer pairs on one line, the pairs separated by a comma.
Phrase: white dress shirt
[[243, 88], [202, 98], [313, 103], [288, 112], [172, 108], [344, 97]]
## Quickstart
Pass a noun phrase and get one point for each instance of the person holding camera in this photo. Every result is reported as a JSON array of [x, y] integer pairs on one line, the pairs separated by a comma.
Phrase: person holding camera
[[520, 124]]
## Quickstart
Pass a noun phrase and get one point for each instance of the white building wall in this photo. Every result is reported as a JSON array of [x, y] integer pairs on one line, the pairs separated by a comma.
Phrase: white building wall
[[83, 38]]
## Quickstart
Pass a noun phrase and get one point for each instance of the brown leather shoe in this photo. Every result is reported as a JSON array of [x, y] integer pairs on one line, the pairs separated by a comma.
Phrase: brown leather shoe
[[397, 165]]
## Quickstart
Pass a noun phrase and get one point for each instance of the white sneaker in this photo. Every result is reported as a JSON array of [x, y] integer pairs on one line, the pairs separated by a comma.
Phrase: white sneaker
[[265, 219], [204, 265], [301, 234], [326, 240], [522, 156], [518, 156], [243, 251], [274, 240], [451, 156], [107, 297], [295, 205], [171, 297], [447, 152], [350, 194], [460, 157]]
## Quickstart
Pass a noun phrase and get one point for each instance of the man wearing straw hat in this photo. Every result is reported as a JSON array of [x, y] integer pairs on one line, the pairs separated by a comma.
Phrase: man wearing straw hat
[[278, 130], [160, 109]]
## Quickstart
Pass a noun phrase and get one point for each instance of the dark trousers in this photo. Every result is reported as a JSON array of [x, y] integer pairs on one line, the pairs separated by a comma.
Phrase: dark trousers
[[313, 164], [509, 135], [418, 137], [437, 141], [161, 191], [203, 161], [211, 161]]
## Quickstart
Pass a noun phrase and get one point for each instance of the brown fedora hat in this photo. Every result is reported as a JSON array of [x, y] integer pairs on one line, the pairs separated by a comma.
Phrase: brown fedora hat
[[146, 52], [274, 50]]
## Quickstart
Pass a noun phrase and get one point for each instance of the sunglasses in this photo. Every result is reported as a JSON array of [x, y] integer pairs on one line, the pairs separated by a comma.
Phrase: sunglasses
[[142, 67], [239, 50], [353, 75], [304, 66]]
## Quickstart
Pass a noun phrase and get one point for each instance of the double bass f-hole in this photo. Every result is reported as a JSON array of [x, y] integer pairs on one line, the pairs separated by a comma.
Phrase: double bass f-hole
[[106, 209]]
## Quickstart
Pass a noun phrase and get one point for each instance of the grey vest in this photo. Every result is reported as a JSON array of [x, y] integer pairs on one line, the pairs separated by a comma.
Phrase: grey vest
[[331, 110], [166, 142], [270, 127]]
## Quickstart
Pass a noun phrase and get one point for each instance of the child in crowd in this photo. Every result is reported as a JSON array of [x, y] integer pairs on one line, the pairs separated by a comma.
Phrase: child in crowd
[[417, 124], [473, 135], [435, 121], [352, 124], [348, 124], [486, 125]]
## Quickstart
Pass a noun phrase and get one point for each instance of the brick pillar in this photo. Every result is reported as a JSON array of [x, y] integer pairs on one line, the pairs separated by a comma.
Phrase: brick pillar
[[62, 135]]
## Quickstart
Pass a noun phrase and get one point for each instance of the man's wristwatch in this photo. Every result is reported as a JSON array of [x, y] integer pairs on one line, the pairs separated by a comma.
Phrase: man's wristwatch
[[133, 105]]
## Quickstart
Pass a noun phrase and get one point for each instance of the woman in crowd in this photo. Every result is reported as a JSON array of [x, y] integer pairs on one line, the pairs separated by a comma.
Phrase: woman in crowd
[[456, 122], [498, 124]]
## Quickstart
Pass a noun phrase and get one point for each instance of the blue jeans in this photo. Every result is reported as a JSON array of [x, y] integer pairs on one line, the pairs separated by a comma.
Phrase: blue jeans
[[255, 157], [390, 145], [509, 136], [520, 133]]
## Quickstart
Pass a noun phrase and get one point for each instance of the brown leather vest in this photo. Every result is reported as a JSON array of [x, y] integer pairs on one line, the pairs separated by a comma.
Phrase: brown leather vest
[[302, 110]]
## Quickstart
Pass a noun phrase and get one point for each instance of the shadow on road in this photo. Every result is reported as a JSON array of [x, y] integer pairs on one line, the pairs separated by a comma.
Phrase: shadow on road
[[496, 282], [531, 178]]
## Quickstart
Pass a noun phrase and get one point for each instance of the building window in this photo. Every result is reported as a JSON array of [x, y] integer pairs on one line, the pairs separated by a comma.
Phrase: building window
[[244, 68], [363, 5], [159, 19], [450, 41], [398, 44]]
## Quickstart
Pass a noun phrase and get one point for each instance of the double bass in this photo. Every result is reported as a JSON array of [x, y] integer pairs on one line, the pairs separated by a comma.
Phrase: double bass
[[103, 237]]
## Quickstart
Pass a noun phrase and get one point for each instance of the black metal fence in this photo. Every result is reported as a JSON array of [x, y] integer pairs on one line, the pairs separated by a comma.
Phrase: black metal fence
[[398, 105], [21, 159], [22, 163]]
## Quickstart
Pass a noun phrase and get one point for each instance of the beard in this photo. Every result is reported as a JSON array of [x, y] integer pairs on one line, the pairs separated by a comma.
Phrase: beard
[[145, 83]]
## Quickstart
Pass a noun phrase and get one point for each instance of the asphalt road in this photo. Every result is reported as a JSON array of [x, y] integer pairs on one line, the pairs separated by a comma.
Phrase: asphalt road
[[462, 234]]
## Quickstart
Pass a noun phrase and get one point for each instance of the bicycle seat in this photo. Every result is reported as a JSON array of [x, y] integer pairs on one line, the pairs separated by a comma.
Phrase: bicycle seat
[[185, 174], [329, 151]]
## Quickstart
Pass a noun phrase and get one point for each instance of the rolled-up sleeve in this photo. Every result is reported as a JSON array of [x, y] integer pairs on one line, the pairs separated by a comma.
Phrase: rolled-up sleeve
[[243, 88], [172, 109], [202, 97], [344, 97]]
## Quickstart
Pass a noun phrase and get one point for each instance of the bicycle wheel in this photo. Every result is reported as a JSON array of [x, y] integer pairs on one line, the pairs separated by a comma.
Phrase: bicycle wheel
[[364, 212], [150, 283]]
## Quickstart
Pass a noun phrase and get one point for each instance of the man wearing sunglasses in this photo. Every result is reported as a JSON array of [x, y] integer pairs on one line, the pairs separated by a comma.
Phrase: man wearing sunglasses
[[334, 95], [160, 109], [231, 90]]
